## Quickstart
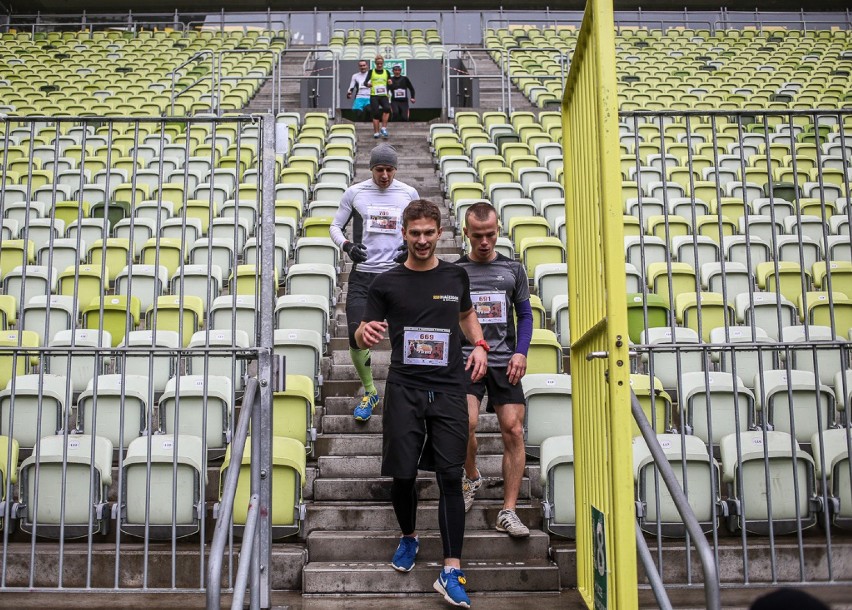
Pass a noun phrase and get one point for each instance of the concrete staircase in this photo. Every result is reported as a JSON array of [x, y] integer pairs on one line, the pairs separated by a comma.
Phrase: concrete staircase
[[490, 98], [351, 528], [290, 100]]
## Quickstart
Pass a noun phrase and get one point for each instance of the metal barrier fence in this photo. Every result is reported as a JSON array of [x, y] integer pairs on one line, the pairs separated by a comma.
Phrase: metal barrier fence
[[606, 543], [738, 254], [140, 259]]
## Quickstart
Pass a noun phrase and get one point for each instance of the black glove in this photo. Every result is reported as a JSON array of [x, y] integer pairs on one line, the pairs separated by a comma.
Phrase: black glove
[[401, 254], [357, 252]]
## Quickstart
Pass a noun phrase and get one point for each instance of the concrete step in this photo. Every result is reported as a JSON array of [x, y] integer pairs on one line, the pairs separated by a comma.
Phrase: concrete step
[[287, 562], [371, 444], [342, 422], [366, 516], [487, 545], [349, 466], [378, 489], [380, 577]]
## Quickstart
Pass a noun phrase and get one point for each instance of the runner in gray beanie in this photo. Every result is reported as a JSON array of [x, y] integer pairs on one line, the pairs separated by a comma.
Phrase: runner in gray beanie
[[383, 154]]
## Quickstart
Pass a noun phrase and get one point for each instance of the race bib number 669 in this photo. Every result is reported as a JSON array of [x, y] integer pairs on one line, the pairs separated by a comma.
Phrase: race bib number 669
[[426, 346]]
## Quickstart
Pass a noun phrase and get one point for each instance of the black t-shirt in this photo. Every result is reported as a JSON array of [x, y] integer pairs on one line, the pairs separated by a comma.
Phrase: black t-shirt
[[422, 310]]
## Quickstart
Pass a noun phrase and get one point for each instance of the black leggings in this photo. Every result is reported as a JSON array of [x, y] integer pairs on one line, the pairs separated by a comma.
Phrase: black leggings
[[379, 105], [450, 510]]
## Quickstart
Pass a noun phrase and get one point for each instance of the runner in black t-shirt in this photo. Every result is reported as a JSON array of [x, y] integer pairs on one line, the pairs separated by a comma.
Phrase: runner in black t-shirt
[[401, 93], [426, 304]]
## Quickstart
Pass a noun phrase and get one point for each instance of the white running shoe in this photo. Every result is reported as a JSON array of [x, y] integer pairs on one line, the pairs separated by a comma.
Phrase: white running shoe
[[469, 487], [509, 522]]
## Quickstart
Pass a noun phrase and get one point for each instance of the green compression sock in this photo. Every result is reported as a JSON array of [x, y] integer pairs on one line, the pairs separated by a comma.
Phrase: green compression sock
[[361, 360]]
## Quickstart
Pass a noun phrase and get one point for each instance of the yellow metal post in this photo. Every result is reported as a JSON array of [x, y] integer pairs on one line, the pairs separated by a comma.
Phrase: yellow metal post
[[606, 534]]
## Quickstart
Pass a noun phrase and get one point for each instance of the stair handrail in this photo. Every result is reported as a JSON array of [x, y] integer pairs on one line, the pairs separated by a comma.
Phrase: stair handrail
[[251, 399], [276, 62], [712, 598], [447, 111], [195, 58]]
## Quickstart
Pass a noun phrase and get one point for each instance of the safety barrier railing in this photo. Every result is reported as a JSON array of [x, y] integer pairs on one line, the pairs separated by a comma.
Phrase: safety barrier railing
[[739, 268], [452, 74], [139, 277], [456, 21], [224, 23], [124, 26], [405, 22]]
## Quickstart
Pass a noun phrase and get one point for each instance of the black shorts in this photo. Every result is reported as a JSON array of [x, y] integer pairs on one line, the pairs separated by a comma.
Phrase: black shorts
[[379, 105], [496, 384], [356, 301], [422, 430]]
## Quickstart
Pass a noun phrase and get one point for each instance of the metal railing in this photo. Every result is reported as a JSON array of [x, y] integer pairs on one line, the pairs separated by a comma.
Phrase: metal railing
[[738, 250], [451, 74], [276, 66], [196, 59], [310, 72], [131, 312], [251, 402], [712, 598]]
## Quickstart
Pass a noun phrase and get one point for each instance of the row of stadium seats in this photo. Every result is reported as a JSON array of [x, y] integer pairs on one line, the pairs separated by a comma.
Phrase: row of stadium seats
[[54, 76], [766, 484], [682, 68]]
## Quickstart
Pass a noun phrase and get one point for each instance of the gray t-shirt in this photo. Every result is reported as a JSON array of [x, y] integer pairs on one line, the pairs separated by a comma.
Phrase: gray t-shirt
[[495, 288], [376, 216]]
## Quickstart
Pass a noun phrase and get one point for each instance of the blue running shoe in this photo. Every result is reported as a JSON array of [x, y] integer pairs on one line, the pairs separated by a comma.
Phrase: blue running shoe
[[364, 410], [451, 586], [384, 133], [403, 559]]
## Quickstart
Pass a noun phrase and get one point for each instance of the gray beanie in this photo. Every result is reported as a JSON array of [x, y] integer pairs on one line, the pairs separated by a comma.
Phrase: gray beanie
[[383, 154]]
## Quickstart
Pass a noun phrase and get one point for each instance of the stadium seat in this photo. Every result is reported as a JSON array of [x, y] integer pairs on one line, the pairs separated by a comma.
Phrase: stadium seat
[[549, 411], [748, 461], [788, 398], [171, 508], [655, 402], [79, 368], [74, 475], [836, 469], [288, 479], [191, 401], [303, 350], [689, 460], [8, 469], [158, 366], [114, 407], [293, 411], [557, 481], [667, 359], [34, 406]]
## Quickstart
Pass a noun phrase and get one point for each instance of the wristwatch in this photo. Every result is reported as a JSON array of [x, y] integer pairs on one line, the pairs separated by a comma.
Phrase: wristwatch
[[483, 344]]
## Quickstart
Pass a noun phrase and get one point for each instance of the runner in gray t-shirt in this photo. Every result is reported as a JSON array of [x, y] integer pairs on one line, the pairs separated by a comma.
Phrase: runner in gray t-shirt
[[374, 208], [498, 288]]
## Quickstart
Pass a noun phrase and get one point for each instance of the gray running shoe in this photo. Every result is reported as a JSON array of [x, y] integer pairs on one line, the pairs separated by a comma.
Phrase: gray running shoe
[[469, 488], [509, 522]]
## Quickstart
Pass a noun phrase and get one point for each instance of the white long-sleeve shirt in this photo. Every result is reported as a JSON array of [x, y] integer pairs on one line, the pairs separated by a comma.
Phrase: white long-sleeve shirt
[[357, 82], [376, 216]]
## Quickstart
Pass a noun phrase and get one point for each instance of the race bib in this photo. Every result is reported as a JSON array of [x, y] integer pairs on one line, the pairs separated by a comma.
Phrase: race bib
[[400, 93], [426, 346], [380, 90], [490, 307], [382, 220]]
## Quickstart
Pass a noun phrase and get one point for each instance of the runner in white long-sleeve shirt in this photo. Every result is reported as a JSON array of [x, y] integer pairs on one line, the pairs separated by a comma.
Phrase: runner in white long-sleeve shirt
[[374, 208]]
